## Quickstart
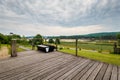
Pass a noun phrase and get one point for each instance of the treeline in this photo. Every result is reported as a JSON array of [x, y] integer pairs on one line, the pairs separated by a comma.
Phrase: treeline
[[36, 40], [6, 39], [105, 36]]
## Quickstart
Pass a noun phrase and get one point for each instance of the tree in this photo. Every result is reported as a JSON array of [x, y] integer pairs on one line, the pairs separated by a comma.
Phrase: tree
[[51, 40], [3, 39], [57, 41], [23, 40], [13, 36], [38, 39]]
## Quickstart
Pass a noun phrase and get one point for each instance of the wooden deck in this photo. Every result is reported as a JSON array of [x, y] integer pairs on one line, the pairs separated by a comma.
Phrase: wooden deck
[[34, 65]]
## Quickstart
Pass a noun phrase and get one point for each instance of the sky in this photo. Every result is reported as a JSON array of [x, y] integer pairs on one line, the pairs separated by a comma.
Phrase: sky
[[59, 17]]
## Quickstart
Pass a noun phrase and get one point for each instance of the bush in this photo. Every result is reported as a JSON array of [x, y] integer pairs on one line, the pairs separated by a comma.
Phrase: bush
[[111, 52], [38, 39], [79, 49], [68, 48], [51, 41], [100, 51], [61, 48], [57, 41]]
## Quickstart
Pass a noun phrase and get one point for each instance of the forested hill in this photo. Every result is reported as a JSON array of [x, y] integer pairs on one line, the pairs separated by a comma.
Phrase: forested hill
[[104, 35]]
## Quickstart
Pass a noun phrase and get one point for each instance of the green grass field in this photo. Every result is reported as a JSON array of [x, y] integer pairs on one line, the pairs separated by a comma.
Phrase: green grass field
[[105, 47], [108, 58]]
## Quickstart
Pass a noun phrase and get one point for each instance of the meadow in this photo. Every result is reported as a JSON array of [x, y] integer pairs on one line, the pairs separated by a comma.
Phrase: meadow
[[101, 51], [104, 46]]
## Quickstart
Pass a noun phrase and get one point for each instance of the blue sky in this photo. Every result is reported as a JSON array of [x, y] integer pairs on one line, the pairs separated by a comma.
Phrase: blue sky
[[59, 17]]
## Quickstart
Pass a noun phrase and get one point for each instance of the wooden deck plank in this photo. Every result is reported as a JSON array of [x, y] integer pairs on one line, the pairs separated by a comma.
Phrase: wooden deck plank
[[102, 72], [108, 72], [95, 72], [50, 70], [35, 74], [119, 74], [17, 62], [34, 77], [64, 70], [34, 65], [86, 75], [71, 75], [72, 70], [44, 75], [42, 59], [26, 68], [80, 74], [39, 67], [114, 73]]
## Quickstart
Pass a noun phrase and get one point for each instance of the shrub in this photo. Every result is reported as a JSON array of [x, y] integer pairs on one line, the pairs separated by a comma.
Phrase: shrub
[[100, 51], [57, 41], [61, 48], [79, 49], [111, 52], [51, 41], [68, 48], [38, 39]]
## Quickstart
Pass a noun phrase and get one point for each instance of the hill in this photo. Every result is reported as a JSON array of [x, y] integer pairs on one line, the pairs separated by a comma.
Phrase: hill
[[103, 35]]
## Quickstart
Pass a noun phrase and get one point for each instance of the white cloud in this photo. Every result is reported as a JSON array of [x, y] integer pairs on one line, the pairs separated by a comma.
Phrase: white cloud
[[33, 29], [57, 10], [58, 30], [58, 17]]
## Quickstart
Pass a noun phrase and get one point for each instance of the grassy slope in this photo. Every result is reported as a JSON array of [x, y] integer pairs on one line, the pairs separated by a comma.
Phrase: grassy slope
[[108, 58]]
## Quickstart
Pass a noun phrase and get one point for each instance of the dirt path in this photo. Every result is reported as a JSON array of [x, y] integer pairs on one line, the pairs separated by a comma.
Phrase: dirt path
[[4, 52]]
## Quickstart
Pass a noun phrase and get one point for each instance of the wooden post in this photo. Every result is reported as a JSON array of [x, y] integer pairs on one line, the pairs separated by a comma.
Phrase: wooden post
[[76, 47], [33, 45], [56, 46], [13, 48], [115, 47]]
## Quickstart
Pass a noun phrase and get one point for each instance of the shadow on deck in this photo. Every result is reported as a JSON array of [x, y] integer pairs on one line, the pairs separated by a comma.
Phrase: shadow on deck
[[55, 66]]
